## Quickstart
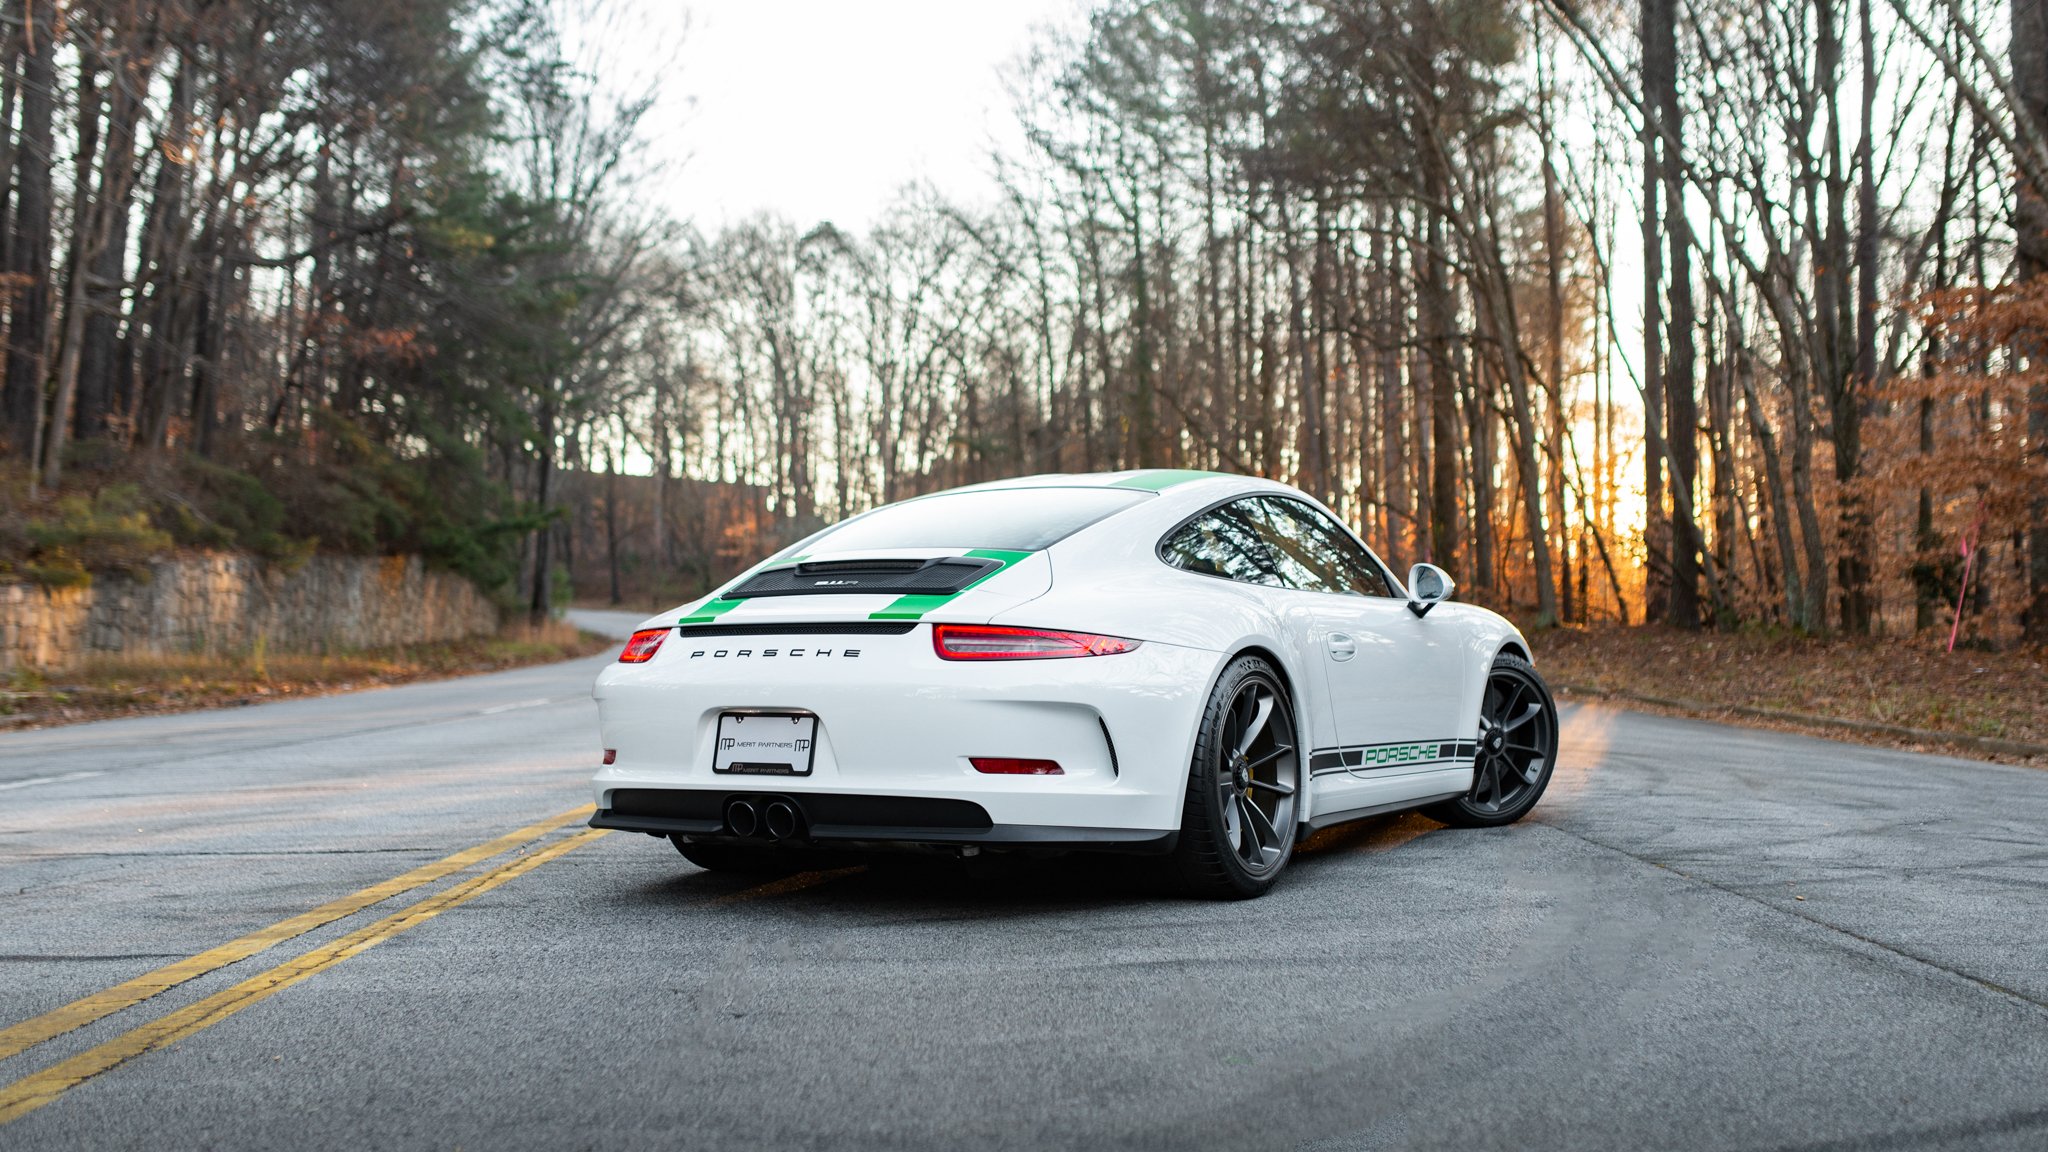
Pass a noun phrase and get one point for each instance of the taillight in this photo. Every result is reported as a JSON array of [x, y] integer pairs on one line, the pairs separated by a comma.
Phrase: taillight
[[641, 648], [1014, 766], [996, 642]]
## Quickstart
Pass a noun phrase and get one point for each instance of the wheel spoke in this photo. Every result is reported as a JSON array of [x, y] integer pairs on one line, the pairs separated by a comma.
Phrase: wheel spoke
[[1500, 781], [1509, 701], [1233, 822], [1535, 707], [1273, 786], [1278, 751], [1260, 715], [1245, 808], [1265, 836]]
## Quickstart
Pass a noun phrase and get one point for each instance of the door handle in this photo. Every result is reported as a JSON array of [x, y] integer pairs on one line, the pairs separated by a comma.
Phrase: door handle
[[1342, 647]]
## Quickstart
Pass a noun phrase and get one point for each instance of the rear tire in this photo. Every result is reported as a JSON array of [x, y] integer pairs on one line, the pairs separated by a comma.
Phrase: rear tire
[[741, 860], [1517, 749], [1238, 823]]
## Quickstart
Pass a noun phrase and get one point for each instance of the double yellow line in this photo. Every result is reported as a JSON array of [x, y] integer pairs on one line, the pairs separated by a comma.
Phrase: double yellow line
[[33, 1091]]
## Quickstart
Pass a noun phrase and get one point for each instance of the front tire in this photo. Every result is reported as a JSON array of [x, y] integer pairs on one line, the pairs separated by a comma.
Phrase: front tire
[[1238, 823], [1517, 749]]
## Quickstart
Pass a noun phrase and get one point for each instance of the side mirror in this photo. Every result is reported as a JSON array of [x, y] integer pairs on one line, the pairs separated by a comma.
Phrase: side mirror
[[1428, 586]]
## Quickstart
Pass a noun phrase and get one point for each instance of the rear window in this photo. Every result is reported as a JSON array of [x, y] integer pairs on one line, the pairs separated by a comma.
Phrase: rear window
[[1013, 519]]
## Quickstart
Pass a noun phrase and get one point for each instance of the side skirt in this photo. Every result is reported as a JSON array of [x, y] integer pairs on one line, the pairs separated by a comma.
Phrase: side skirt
[[1325, 819]]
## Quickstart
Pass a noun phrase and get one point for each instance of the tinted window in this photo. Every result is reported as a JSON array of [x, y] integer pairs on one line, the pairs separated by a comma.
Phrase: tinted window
[[1313, 552], [1019, 519], [1222, 542]]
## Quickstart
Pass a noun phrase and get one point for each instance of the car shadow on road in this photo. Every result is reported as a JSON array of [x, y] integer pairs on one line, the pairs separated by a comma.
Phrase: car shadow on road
[[990, 883]]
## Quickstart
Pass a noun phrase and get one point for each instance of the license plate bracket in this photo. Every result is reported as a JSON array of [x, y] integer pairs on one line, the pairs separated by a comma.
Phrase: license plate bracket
[[764, 743]]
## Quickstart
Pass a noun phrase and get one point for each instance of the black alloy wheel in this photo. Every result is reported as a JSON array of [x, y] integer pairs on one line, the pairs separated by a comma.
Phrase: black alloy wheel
[[1517, 749], [1239, 821]]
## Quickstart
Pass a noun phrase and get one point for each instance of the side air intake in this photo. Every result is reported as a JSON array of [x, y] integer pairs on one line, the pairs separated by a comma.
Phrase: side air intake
[[942, 576]]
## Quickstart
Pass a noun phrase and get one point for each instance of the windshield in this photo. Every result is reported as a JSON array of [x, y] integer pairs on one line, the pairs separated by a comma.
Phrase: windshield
[[1014, 519]]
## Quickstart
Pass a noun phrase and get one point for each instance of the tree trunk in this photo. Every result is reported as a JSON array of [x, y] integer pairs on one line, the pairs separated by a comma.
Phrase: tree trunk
[[1657, 33], [163, 252], [540, 607], [86, 221], [2030, 223], [611, 524], [28, 313], [1436, 319], [1553, 276], [1682, 409], [1506, 332], [1143, 419], [1854, 570], [99, 353]]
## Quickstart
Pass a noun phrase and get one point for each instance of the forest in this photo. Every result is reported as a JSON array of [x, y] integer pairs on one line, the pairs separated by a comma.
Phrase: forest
[[1709, 314]]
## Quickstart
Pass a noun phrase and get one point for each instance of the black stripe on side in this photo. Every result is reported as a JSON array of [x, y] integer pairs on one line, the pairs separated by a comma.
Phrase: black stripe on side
[[1353, 757]]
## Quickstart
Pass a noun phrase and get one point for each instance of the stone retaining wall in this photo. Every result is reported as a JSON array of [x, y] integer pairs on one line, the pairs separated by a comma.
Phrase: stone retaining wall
[[224, 603]]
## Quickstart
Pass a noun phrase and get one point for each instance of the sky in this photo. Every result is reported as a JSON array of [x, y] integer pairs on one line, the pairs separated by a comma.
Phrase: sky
[[822, 110]]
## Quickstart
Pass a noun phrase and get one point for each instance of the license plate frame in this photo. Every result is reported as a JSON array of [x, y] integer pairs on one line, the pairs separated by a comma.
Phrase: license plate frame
[[771, 749]]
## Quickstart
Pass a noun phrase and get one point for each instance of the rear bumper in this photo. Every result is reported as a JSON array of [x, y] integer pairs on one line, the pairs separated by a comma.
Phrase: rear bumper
[[847, 820], [896, 721]]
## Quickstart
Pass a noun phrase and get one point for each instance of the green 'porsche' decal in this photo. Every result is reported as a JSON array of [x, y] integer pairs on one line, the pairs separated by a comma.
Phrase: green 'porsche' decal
[[914, 607], [1160, 479], [1399, 754]]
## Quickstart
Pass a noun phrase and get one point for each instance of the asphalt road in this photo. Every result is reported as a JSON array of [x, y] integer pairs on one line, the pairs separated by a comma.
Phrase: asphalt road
[[1704, 938]]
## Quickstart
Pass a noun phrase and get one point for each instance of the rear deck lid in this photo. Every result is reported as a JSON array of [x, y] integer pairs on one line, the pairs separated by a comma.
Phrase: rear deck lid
[[968, 554]]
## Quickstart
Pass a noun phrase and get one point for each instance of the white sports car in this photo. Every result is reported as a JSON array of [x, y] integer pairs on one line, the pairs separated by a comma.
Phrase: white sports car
[[1197, 665]]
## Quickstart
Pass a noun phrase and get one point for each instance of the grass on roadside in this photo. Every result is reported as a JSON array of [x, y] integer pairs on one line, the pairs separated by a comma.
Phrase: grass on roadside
[[113, 685], [1907, 682]]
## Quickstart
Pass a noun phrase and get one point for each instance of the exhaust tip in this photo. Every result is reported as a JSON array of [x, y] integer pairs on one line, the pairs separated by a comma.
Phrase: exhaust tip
[[781, 820], [742, 818]]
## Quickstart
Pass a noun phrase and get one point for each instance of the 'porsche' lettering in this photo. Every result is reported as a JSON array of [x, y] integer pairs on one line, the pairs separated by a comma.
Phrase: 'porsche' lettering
[[842, 653]]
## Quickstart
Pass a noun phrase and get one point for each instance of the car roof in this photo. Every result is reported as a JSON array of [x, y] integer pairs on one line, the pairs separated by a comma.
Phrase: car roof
[[1140, 479]]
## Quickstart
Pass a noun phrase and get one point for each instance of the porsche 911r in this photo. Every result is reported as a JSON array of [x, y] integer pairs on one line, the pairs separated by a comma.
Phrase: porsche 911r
[[1201, 666]]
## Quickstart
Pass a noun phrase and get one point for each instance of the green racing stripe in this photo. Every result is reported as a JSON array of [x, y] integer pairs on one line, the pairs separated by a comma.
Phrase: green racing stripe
[[712, 610]]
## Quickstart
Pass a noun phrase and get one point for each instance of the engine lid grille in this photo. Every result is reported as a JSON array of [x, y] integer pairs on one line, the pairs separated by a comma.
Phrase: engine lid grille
[[942, 576]]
